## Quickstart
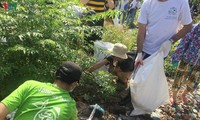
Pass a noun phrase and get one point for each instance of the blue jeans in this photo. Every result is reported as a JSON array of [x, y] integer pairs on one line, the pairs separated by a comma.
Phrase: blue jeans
[[131, 16], [124, 13], [123, 16], [145, 55]]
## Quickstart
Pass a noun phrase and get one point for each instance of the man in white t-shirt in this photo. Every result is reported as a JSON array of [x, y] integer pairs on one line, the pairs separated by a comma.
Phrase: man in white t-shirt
[[158, 26]]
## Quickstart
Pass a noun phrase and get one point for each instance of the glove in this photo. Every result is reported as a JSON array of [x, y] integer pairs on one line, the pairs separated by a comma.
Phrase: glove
[[138, 60], [165, 47]]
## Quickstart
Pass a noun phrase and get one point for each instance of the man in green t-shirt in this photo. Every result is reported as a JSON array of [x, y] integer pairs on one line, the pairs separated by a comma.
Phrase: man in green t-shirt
[[41, 101]]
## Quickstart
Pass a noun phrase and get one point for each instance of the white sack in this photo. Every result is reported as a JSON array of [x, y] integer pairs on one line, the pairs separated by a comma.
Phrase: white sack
[[101, 51], [149, 87]]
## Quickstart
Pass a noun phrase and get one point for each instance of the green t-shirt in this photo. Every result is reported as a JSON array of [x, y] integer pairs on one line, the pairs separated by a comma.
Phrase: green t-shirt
[[41, 101]]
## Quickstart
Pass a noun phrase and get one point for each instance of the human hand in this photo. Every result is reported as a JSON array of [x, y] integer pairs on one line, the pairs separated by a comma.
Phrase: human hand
[[138, 60], [165, 47]]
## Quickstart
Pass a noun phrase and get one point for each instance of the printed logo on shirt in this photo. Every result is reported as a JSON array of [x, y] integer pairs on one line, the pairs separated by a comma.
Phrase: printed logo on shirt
[[45, 91], [172, 13], [46, 113]]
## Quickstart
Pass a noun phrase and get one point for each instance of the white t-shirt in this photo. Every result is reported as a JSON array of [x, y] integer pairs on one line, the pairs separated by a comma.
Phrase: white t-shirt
[[134, 4], [162, 19], [123, 3]]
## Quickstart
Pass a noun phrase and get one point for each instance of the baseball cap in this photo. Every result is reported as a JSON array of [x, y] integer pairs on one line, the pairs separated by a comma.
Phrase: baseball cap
[[69, 72]]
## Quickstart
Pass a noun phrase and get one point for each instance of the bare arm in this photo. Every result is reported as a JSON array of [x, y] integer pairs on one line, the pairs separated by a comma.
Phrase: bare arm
[[141, 36], [3, 111], [111, 4], [84, 1], [98, 65], [182, 32]]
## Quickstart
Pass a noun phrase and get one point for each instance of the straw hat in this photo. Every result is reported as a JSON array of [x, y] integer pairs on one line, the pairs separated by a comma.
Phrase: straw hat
[[119, 50]]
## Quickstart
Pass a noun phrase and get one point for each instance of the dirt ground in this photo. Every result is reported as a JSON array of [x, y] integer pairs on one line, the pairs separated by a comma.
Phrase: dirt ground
[[180, 111]]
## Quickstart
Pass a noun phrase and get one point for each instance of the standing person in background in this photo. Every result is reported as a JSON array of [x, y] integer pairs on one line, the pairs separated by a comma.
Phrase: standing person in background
[[96, 7], [158, 26], [132, 9], [123, 7], [187, 54], [45, 101], [99, 7]]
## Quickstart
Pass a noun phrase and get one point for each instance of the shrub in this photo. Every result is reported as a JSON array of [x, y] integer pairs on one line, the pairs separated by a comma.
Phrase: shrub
[[123, 35], [39, 37]]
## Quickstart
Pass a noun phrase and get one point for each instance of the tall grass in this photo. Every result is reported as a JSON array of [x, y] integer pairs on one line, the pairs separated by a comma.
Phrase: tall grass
[[122, 35]]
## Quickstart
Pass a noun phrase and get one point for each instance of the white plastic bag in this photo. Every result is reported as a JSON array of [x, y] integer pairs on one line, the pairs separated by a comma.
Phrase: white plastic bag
[[116, 22], [149, 87], [101, 51]]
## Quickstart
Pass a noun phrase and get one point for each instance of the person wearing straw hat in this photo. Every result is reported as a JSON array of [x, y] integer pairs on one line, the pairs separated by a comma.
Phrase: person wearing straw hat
[[35, 100], [119, 63], [187, 58]]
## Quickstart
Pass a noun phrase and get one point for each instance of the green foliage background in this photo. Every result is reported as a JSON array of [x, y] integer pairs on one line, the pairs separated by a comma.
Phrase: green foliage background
[[40, 36]]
